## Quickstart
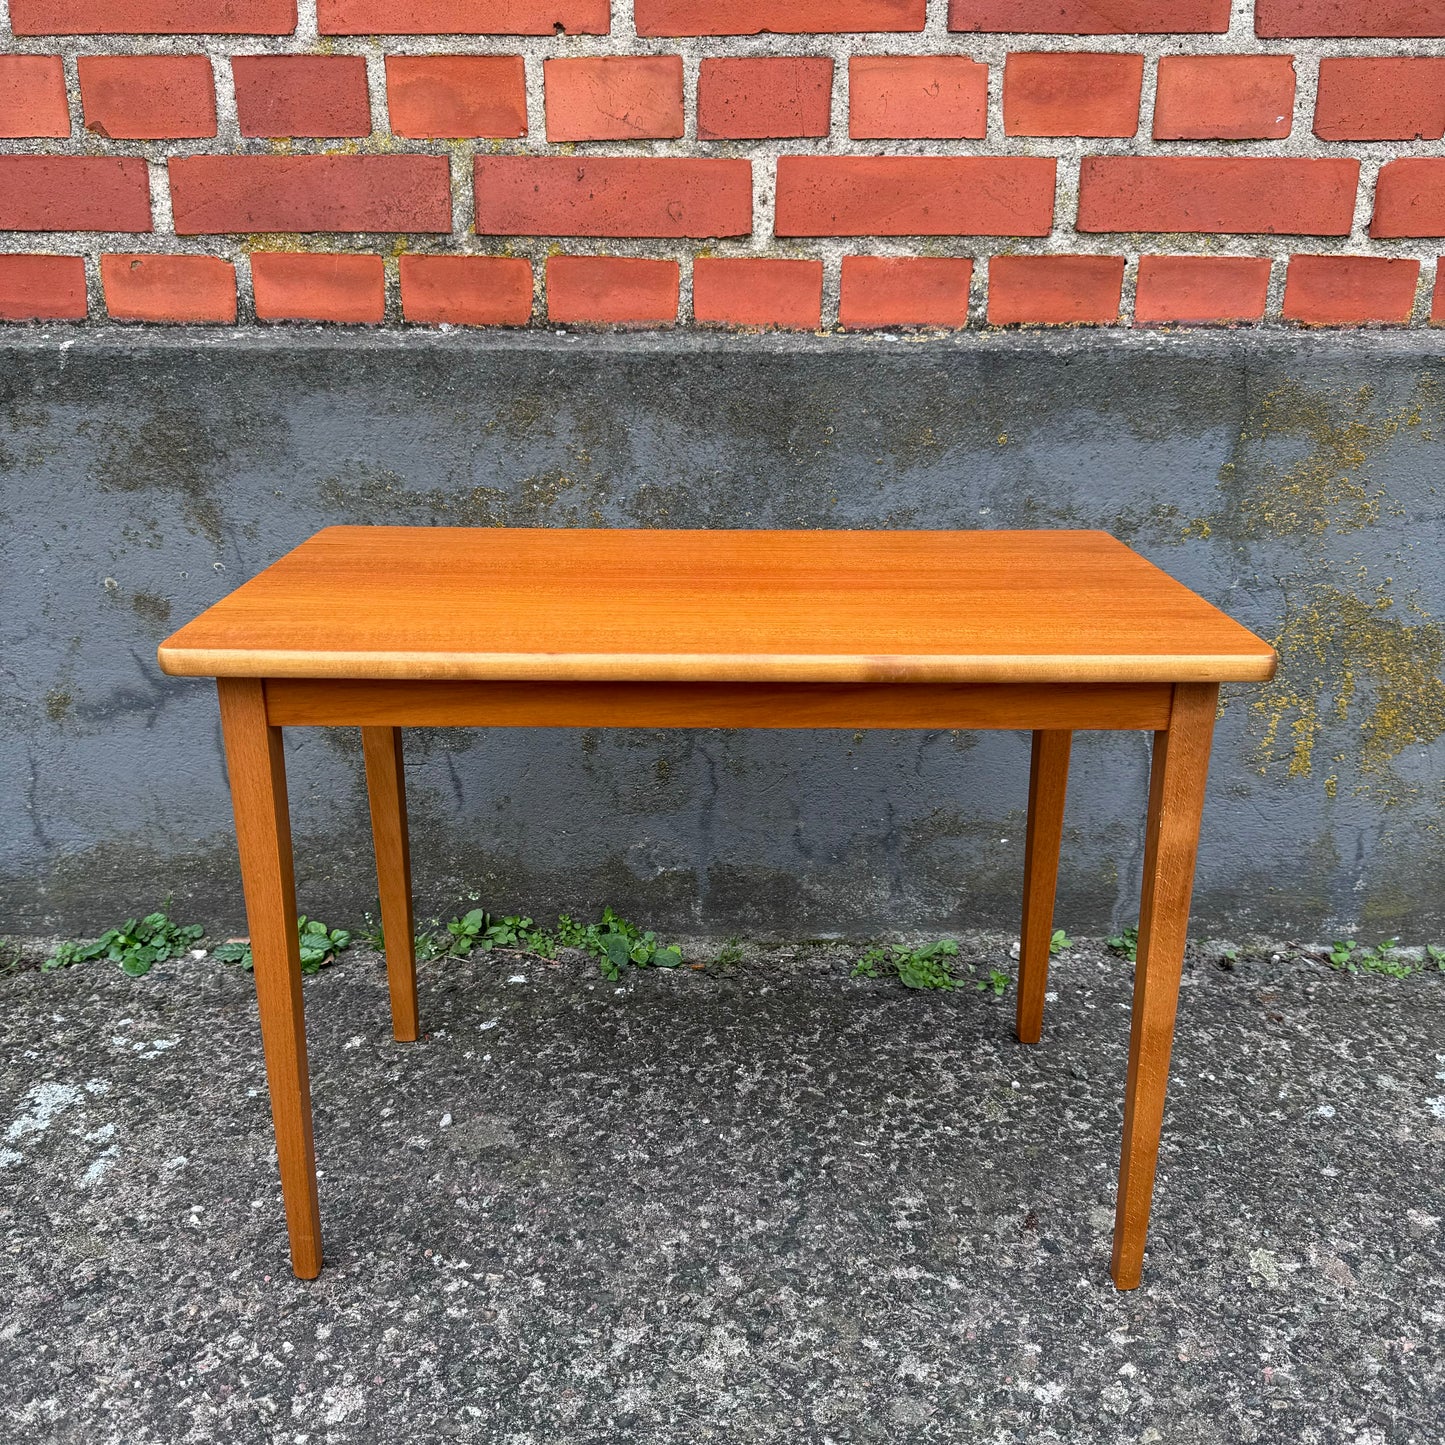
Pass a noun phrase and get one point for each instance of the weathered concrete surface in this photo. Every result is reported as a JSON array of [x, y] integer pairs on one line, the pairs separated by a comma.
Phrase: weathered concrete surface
[[1296, 482], [760, 1203]]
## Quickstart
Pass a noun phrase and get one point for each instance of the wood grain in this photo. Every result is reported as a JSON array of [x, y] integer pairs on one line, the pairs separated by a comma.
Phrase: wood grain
[[1048, 784], [718, 606], [386, 789], [296, 702], [1176, 805], [257, 770]]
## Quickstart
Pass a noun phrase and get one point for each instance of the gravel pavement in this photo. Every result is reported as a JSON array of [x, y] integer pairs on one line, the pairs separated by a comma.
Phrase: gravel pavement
[[760, 1201]]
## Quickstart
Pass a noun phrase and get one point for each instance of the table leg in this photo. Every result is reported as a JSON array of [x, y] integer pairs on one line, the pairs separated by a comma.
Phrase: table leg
[[386, 787], [1176, 804], [1048, 782], [257, 769]]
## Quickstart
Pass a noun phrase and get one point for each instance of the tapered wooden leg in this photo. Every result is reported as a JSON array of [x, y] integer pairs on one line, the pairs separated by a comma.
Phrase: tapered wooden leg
[[1176, 804], [263, 833], [1048, 782], [386, 787]]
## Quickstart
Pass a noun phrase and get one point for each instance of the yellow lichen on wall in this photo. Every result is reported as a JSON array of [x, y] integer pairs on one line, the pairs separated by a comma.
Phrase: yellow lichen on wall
[[1349, 662], [1323, 490]]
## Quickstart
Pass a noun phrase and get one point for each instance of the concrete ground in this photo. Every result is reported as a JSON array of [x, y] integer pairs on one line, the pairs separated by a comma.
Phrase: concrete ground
[[758, 1202]]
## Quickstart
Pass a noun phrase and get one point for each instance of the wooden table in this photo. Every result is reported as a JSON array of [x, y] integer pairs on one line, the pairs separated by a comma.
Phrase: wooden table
[[391, 627]]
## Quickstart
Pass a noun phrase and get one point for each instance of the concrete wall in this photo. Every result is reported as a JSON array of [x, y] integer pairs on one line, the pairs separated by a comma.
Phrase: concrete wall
[[1296, 483]]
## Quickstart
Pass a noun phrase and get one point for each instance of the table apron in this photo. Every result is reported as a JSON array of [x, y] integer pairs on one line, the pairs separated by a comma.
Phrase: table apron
[[337, 702]]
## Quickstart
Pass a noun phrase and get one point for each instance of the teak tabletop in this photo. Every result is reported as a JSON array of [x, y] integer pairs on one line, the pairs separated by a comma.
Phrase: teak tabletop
[[619, 606], [386, 627]]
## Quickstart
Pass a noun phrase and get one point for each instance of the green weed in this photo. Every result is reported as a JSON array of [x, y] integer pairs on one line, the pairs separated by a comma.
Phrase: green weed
[[1342, 954], [612, 940], [1126, 944], [475, 931], [617, 944], [137, 945], [319, 946], [928, 967], [1060, 942], [1384, 958]]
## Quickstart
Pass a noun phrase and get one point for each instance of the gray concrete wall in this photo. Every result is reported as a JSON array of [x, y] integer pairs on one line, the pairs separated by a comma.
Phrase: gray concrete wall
[[1295, 482]]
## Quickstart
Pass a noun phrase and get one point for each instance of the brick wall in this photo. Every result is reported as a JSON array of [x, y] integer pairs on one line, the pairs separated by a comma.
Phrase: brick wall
[[803, 164]]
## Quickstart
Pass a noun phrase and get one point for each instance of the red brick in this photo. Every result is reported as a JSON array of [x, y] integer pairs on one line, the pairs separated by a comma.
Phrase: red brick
[[613, 196], [1252, 195], [74, 193], [466, 290], [747, 99], [1410, 198], [32, 97], [1437, 307], [905, 291], [148, 97], [776, 17], [42, 288], [1398, 98], [1051, 93], [616, 290], [915, 196], [308, 95], [1224, 97], [1091, 17], [309, 286], [463, 17], [1349, 290], [169, 288], [454, 96], [750, 291], [615, 97], [917, 97], [238, 194], [153, 17], [1349, 18], [1054, 290], [1199, 290]]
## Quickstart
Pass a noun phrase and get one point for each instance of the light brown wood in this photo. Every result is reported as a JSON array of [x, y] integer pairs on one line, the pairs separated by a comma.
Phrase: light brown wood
[[1048, 784], [716, 606], [330, 703], [257, 769], [1176, 804], [389, 627], [386, 788]]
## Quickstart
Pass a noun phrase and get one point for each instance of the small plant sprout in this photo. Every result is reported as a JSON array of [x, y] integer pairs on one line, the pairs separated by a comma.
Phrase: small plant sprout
[[371, 933], [318, 942], [1125, 943], [1436, 955], [1060, 942], [618, 944], [729, 954], [137, 945], [613, 941], [1385, 958], [11, 956], [929, 967], [1342, 955], [478, 931]]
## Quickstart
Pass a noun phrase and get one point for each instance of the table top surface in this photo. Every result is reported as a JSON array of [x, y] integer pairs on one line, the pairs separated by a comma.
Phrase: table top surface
[[431, 603]]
